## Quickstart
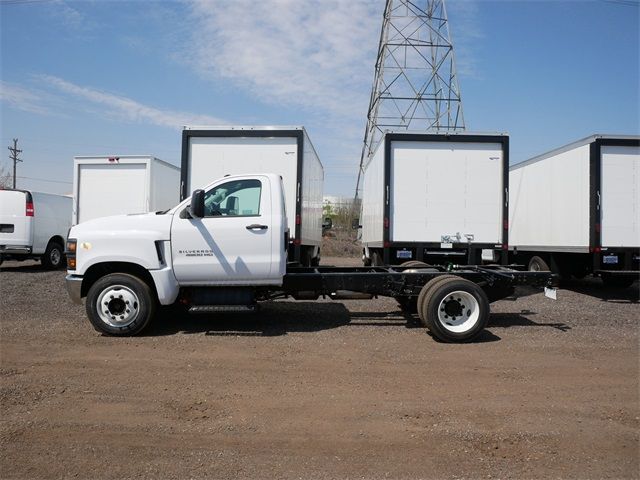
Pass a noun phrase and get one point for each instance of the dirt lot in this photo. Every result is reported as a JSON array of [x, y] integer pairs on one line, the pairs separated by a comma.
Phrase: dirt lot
[[319, 390]]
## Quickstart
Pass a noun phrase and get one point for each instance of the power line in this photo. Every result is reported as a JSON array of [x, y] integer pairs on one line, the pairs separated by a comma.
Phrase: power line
[[44, 180]]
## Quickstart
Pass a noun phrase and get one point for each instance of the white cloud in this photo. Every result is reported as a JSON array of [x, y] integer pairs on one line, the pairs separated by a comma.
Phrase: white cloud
[[23, 99], [128, 108], [317, 54]]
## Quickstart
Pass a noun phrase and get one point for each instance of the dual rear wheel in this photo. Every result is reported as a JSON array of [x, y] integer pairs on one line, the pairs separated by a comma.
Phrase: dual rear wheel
[[453, 309]]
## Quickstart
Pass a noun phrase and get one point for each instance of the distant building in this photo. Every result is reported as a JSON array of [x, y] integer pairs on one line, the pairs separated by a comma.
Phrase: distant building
[[335, 202]]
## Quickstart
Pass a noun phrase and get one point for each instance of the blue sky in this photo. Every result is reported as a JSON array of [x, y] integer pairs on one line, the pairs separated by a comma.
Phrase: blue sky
[[122, 77]]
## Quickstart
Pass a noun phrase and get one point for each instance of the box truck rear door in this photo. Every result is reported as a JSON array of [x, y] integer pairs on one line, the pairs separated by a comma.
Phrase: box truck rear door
[[620, 196], [111, 189]]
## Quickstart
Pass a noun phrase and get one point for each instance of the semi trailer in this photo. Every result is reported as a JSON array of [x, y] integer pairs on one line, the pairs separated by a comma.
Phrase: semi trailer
[[211, 256], [211, 152], [34, 225], [114, 184], [436, 198], [576, 210]]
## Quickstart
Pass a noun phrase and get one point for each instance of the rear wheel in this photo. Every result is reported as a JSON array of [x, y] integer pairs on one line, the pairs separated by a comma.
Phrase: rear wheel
[[454, 309], [537, 264], [120, 304], [53, 257], [376, 259]]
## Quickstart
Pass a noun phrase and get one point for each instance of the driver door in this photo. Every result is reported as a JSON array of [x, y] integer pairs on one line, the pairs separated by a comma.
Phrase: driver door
[[232, 244]]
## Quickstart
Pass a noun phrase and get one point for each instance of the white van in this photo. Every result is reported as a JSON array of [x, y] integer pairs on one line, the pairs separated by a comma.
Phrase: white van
[[34, 225]]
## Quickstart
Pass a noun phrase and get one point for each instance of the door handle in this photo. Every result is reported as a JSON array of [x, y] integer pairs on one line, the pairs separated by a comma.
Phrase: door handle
[[257, 226]]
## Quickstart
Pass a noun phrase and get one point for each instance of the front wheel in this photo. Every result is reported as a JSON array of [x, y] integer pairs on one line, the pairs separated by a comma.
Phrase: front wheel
[[120, 304], [454, 309]]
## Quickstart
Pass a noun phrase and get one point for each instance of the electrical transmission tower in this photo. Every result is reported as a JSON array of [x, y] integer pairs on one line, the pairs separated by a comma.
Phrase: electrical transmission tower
[[415, 86]]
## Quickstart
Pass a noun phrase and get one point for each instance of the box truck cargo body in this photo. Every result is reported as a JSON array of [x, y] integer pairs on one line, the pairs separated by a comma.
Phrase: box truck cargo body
[[211, 152], [34, 225], [436, 198], [121, 184], [576, 210]]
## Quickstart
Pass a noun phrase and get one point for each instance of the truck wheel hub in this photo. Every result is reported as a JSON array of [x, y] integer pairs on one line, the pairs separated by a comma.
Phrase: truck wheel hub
[[459, 311], [117, 306]]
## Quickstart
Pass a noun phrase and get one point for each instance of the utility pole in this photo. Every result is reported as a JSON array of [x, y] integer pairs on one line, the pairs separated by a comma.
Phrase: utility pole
[[14, 156], [415, 86]]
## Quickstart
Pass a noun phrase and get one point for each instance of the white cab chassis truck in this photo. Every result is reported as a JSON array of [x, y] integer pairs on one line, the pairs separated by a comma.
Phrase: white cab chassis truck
[[211, 257], [34, 225], [115, 184], [436, 199], [576, 210], [210, 152]]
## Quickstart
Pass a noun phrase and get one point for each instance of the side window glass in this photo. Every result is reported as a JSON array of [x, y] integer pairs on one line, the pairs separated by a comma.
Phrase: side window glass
[[234, 199]]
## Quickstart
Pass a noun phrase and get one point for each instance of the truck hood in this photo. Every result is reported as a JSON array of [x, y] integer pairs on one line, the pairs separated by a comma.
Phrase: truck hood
[[149, 226], [136, 239]]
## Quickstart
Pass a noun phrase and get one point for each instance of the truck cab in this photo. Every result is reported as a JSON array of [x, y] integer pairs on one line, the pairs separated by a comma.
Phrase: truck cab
[[232, 234]]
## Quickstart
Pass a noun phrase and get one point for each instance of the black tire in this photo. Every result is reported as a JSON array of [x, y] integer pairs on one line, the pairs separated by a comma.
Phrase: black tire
[[376, 259], [610, 281], [109, 291], [409, 304], [305, 257], [425, 290], [435, 307], [414, 263], [53, 257], [537, 264]]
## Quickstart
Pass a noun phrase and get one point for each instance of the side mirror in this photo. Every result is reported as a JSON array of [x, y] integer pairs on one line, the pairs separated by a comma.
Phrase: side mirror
[[196, 209], [355, 224], [327, 224]]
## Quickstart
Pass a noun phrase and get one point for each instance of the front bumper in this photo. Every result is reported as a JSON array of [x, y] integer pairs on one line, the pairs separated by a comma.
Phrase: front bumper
[[74, 287]]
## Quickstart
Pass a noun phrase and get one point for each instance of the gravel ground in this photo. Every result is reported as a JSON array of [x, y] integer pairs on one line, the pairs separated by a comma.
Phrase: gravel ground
[[319, 390]]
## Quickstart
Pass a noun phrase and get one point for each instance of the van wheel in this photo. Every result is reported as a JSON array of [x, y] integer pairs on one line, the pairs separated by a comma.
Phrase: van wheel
[[454, 309], [537, 264], [120, 304], [53, 257]]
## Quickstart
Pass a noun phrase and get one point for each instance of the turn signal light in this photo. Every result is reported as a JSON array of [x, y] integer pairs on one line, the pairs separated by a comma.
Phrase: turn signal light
[[71, 246], [30, 211], [71, 263]]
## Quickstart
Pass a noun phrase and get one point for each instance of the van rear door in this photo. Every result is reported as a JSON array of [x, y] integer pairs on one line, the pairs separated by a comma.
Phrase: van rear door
[[16, 220]]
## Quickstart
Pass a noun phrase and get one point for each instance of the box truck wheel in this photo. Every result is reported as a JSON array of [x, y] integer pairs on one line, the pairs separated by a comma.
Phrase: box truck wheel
[[120, 304], [537, 264], [454, 309], [53, 257], [376, 259]]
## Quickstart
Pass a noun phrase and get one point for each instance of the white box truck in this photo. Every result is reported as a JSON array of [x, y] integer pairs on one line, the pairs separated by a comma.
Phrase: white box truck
[[209, 152], [34, 225], [576, 210], [437, 199], [120, 184]]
